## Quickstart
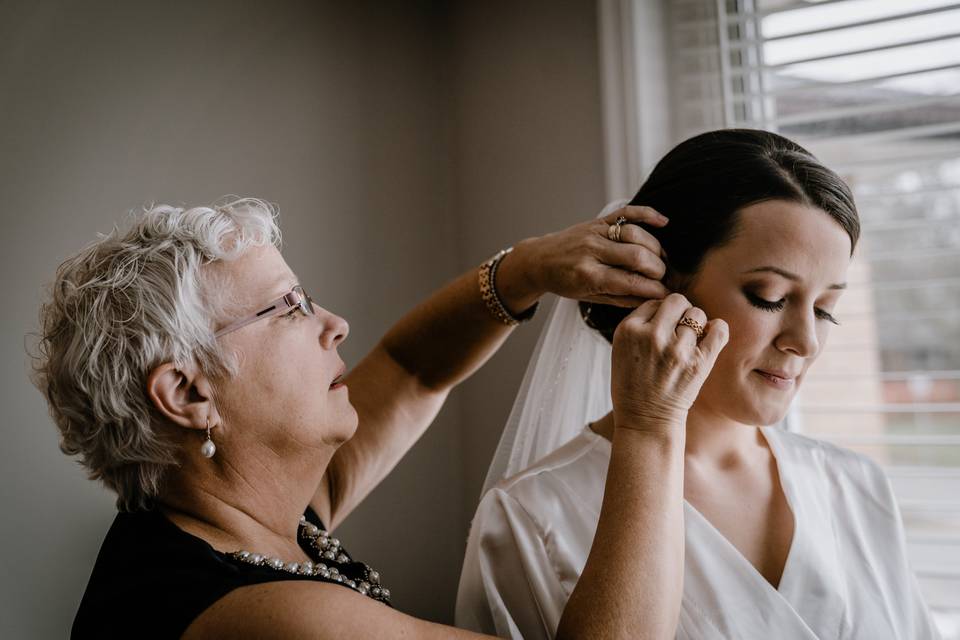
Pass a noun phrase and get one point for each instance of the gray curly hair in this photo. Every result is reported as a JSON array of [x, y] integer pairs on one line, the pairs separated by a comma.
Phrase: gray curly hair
[[122, 306]]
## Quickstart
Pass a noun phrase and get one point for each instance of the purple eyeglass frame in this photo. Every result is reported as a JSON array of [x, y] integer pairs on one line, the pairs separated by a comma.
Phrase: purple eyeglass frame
[[295, 298]]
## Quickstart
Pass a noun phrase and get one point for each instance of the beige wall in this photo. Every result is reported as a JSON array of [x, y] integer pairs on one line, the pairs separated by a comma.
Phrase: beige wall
[[403, 142], [529, 151]]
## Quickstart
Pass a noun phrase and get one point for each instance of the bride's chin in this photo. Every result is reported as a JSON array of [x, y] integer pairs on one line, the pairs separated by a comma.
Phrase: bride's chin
[[763, 410], [756, 413], [743, 406], [768, 414]]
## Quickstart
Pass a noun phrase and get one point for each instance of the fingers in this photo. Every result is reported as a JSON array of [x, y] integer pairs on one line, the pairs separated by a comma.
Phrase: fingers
[[633, 258], [666, 323], [631, 234], [676, 306], [634, 213], [715, 337], [615, 282], [627, 302], [669, 315], [645, 311]]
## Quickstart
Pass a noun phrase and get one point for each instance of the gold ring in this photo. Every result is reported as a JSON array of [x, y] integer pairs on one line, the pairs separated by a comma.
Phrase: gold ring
[[613, 231], [693, 324]]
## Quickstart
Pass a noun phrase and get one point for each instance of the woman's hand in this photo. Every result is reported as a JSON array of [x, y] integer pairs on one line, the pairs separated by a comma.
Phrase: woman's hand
[[638, 549], [582, 263], [659, 365]]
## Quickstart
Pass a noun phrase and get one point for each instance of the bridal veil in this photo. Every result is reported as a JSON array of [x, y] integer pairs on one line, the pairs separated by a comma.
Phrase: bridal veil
[[566, 385]]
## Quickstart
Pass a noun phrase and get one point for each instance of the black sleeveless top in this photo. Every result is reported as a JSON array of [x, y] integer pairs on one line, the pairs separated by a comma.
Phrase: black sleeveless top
[[152, 579]]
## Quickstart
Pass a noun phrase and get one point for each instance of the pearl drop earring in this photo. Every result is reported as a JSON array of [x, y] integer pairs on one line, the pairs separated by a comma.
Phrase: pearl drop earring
[[207, 449]]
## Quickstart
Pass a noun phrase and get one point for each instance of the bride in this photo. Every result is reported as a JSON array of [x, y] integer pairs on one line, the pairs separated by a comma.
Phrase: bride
[[785, 536]]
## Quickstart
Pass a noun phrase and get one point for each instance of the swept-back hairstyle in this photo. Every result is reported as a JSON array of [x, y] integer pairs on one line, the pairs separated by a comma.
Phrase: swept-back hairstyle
[[703, 183], [125, 304]]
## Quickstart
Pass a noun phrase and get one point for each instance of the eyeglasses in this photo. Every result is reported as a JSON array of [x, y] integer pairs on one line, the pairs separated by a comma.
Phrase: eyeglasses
[[295, 299]]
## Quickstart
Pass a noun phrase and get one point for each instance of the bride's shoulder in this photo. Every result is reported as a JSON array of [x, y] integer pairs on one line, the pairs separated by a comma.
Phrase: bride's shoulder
[[574, 471], [827, 457]]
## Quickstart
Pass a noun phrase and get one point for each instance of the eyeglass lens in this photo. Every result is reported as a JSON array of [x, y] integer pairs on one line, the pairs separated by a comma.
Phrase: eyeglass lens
[[306, 302]]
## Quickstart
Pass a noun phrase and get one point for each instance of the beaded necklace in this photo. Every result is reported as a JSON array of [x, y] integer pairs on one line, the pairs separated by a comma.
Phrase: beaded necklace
[[328, 549]]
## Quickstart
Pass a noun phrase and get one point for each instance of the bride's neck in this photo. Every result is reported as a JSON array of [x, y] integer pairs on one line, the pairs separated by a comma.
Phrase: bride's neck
[[711, 439], [720, 443]]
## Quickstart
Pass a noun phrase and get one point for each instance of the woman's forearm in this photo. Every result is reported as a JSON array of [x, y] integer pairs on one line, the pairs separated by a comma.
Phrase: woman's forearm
[[635, 566], [451, 334], [447, 337], [399, 387]]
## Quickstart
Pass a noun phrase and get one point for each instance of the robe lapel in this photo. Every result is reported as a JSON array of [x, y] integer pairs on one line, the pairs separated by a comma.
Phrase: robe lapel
[[725, 596], [813, 578]]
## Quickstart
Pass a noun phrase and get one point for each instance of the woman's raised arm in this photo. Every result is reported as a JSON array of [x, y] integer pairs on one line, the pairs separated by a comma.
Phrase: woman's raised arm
[[400, 386]]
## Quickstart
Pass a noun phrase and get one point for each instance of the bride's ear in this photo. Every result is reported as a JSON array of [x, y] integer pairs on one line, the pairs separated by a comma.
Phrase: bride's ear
[[674, 281]]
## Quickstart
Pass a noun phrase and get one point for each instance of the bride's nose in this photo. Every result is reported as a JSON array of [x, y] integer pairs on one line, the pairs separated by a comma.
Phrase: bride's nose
[[799, 335]]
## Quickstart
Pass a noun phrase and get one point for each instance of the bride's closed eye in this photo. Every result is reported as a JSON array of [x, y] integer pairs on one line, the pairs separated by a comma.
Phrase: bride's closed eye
[[773, 306]]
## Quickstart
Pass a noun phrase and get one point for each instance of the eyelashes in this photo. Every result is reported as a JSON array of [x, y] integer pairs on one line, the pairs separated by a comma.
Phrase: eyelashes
[[767, 305]]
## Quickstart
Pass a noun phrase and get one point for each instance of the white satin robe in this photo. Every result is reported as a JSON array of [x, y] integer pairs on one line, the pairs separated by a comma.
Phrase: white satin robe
[[846, 574]]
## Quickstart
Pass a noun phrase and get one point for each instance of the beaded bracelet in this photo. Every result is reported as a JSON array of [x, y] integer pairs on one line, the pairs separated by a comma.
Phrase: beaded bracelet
[[488, 291]]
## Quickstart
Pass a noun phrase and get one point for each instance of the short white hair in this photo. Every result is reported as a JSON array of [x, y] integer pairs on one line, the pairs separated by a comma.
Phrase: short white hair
[[124, 305]]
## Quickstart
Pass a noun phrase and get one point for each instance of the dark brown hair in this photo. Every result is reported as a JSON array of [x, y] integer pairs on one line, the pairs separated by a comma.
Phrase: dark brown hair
[[703, 183]]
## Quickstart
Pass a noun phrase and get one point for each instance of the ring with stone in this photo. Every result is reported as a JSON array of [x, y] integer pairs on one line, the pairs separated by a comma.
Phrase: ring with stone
[[613, 231]]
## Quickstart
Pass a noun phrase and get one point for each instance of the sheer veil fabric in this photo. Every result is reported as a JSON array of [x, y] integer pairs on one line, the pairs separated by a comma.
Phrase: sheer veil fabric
[[566, 385]]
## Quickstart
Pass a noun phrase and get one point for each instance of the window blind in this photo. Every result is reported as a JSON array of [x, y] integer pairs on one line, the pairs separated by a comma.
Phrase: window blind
[[872, 88]]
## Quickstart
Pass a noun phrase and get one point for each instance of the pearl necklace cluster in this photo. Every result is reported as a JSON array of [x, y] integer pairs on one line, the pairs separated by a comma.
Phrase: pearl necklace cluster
[[329, 549]]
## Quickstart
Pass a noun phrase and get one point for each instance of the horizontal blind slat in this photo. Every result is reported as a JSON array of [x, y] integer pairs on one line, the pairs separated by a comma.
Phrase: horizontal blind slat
[[889, 135], [933, 539], [743, 16], [924, 190], [896, 440], [930, 506], [938, 573], [904, 315], [905, 225], [922, 472], [910, 160], [852, 112], [898, 407], [892, 375], [916, 253], [905, 284], [862, 23], [832, 84], [750, 69]]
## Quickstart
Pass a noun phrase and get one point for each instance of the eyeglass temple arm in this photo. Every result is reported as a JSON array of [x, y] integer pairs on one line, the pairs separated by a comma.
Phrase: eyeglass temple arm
[[241, 323], [279, 305]]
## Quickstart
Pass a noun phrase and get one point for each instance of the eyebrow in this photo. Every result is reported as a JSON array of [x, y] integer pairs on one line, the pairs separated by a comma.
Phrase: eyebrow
[[791, 276], [280, 287], [285, 283]]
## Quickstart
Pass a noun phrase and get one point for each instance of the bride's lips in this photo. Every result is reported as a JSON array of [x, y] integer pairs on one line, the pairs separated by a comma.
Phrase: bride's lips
[[776, 378]]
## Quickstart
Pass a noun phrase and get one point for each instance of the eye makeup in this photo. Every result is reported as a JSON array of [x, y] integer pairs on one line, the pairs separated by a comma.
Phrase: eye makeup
[[762, 303], [778, 305]]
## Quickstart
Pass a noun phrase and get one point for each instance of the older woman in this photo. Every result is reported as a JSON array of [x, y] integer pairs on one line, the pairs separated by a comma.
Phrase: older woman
[[187, 366]]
